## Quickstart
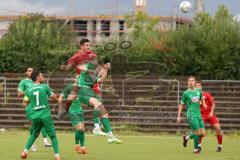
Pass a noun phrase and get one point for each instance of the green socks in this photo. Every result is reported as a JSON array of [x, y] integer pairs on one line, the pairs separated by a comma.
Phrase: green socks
[[77, 135], [106, 124], [196, 140], [55, 144], [80, 137], [96, 117]]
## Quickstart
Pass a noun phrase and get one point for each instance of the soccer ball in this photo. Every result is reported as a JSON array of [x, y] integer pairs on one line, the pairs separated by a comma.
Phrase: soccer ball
[[185, 6]]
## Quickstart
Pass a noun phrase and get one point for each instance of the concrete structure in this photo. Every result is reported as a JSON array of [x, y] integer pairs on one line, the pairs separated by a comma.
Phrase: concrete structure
[[98, 28], [199, 6], [140, 6]]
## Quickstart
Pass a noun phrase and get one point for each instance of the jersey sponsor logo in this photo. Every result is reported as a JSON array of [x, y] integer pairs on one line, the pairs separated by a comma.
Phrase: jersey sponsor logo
[[93, 76], [195, 99], [39, 107]]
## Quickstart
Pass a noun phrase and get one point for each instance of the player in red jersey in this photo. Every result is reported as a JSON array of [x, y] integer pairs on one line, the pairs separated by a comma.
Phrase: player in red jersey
[[83, 56], [208, 116]]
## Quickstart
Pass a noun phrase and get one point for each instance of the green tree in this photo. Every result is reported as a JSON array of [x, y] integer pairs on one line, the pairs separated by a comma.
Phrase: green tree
[[34, 41], [209, 48]]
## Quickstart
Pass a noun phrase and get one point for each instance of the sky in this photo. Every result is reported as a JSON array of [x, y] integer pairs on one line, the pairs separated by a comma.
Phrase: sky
[[106, 7]]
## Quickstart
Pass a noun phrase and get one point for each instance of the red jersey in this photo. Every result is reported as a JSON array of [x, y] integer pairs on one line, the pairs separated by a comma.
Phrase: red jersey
[[209, 100], [81, 58]]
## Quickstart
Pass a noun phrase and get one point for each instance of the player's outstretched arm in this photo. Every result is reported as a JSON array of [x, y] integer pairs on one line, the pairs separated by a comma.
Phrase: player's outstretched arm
[[85, 68], [60, 101], [66, 67]]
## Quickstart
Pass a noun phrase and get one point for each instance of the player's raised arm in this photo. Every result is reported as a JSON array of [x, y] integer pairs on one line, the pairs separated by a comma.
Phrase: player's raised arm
[[103, 73]]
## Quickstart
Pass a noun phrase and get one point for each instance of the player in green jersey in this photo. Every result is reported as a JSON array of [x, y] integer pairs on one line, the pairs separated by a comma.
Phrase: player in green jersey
[[76, 116], [22, 87], [87, 78], [191, 99], [36, 98]]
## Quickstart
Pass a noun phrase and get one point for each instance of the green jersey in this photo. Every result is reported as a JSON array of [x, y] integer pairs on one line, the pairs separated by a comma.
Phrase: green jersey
[[86, 79], [191, 99], [22, 87], [76, 106], [24, 84], [38, 95]]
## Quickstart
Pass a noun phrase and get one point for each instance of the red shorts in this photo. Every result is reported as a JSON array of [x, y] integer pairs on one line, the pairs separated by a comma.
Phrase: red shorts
[[212, 121], [96, 89]]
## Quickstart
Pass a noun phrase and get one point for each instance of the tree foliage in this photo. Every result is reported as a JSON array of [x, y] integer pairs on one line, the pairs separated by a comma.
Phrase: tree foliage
[[34, 41], [209, 48]]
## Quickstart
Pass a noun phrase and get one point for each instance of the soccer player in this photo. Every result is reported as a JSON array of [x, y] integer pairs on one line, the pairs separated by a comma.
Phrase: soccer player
[[96, 88], [36, 97], [76, 116], [191, 98], [87, 78], [83, 56], [22, 87], [209, 116]]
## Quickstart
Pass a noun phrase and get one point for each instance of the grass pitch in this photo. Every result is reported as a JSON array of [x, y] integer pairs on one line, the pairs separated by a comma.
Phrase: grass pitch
[[165, 147]]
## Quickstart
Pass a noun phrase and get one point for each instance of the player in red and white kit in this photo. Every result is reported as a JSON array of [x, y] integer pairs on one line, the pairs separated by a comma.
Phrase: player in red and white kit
[[208, 116], [83, 56]]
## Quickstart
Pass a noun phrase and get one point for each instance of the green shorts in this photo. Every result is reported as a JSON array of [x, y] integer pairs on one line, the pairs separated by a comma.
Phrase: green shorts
[[76, 118], [85, 93], [195, 123], [46, 123]]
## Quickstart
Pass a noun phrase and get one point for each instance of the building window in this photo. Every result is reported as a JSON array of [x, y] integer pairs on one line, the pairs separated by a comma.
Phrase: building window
[[94, 31], [80, 27], [121, 28], [105, 28]]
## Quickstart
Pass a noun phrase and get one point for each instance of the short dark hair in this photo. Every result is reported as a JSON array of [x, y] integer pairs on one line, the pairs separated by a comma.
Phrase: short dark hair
[[34, 75], [83, 41], [191, 76], [27, 68]]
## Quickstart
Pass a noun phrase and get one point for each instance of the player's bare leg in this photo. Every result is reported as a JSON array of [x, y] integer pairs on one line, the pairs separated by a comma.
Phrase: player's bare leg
[[80, 137], [219, 136], [63, 109], [106, 123]]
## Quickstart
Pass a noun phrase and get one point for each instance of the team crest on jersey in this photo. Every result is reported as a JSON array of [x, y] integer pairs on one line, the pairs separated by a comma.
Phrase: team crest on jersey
[[195, 99]]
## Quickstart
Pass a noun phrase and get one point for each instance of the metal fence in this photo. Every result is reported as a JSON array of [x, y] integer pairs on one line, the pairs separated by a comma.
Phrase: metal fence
[[3, 89]]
